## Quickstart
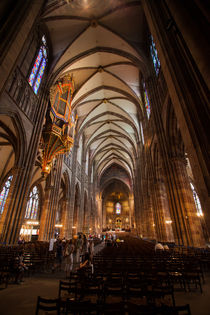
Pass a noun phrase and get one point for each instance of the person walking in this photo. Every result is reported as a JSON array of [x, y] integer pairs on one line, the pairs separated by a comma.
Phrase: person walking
[[59, 254], [79, 243], [68, 257], [86, 248]]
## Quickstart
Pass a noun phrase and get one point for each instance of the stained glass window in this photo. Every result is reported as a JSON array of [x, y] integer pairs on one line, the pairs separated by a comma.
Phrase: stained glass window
[[154, 55], [4, 193], [197, 201], [32, 204], [37, 71], [146, 101], [118, 208]]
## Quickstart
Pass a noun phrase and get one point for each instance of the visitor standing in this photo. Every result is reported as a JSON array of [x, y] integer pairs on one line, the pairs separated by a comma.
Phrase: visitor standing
[[79, 243], [68, 257], [85, 248], [91, 251], [59, 254]]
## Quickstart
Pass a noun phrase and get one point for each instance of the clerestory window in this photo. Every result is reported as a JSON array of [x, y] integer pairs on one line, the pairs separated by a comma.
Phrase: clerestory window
[[154, 55], [39, 66]]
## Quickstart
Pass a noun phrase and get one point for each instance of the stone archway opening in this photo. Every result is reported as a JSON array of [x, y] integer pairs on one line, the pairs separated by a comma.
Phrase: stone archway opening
[[117, 210]]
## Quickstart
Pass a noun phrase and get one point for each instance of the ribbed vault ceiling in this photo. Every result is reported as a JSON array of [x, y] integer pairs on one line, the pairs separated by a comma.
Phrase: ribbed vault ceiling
[[101, 43]]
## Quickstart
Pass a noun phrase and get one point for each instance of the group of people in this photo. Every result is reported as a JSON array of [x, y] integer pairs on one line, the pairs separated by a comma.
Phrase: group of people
[[73, 253], [161, 247]]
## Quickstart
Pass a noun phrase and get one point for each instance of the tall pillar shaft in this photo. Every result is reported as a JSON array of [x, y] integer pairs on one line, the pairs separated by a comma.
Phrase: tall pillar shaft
[[188, 214], [65, 231], [187, 88], [47, 222], [73, 190], [191, 23]]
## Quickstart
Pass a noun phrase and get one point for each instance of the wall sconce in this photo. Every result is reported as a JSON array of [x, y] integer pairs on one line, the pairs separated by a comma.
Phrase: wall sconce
[[168, 221], [58, 225]]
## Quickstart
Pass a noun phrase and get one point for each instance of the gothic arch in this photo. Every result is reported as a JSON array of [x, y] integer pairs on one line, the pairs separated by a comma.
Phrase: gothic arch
[[13, 143]]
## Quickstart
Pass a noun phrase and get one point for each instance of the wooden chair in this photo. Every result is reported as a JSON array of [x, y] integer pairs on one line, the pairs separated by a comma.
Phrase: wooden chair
[[81, 308], [112, 308], [159, 294], [48, 305], [132, 308], [93, 289], [175, 310], [114, 287], [67, 291]]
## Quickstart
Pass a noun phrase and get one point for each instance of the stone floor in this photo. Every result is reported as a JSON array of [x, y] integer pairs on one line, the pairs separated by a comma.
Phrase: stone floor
[[21, 299]]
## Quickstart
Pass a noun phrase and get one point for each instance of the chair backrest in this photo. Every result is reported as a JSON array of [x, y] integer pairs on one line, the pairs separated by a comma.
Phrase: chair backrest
[[64, 286], [78, 307], [175, 310], [183, 310], [47, 305]]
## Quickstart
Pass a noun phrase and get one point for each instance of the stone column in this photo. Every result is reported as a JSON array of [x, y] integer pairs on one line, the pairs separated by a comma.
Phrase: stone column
[[65, 231], [163, 208], [47, 221], [44, 213], [89, 186], [103, 214], [150, 223], [131, 211], [191, 23], [81, 209], [73, 186], [175, 42], [160, 222], [100, 218], [138, 191], [188, 214], [148, 220]]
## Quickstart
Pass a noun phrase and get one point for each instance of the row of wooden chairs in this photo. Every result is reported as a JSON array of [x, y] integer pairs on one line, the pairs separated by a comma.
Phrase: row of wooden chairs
[[55, 306]]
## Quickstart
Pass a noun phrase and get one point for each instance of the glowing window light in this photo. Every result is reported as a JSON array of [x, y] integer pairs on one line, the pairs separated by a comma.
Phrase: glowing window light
[[154, 55], [37, 71], [197, 201], [146, 101], [32, 204], [4, 193], [118, 208]]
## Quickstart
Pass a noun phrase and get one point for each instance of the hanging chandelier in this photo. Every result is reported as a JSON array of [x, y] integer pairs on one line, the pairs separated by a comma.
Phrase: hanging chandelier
[[59, 129]]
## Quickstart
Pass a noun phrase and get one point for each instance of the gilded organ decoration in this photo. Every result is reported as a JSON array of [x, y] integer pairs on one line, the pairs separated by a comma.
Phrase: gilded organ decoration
[[58, 132]]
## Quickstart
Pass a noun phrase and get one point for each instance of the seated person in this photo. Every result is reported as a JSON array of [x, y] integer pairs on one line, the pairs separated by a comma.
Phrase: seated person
[[166, 247], [158, 246], [19, 267]]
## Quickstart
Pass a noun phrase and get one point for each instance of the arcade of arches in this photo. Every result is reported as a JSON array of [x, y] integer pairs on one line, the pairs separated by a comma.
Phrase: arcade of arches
[[123, 145]]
